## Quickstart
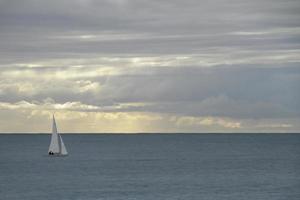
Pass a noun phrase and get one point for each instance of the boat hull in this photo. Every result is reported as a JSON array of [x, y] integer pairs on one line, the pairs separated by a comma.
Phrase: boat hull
[[57, 155]]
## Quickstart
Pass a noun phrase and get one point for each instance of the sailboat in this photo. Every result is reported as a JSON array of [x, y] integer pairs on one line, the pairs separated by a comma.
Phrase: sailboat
[[57, 146]]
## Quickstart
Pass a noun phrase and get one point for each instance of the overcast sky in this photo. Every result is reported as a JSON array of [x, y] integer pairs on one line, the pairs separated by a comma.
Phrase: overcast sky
[[150, 66]]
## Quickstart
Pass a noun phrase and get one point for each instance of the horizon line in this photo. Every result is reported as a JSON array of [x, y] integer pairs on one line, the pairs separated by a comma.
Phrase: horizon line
[[136, 133]]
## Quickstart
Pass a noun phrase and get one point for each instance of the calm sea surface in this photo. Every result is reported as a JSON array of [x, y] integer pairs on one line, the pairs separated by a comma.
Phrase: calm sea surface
[[152, 167]]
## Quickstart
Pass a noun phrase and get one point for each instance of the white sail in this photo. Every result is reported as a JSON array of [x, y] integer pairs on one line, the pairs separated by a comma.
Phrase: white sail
[[54, 144], [63, 150], [57, 146]]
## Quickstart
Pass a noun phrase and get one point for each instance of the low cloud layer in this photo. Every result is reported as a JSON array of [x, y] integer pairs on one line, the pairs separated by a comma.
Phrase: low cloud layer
[[141, 66]]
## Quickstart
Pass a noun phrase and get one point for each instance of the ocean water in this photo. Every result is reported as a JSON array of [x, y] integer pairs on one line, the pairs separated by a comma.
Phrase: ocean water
[[152, 167]]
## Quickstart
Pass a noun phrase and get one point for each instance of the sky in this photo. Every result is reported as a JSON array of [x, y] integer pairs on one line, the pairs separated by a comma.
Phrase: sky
[[133, 66]]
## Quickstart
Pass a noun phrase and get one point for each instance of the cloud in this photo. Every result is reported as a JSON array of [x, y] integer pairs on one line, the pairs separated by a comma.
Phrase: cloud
[[207, 121], [48, 104], [252, 93], [274, 126], [223, 65], [79, 117]]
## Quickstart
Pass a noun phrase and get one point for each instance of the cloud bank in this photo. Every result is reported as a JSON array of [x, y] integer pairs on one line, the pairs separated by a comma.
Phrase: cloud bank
[[150, 66]]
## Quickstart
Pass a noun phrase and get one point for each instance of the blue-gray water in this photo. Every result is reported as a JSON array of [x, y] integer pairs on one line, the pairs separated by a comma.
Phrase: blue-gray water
[[152, 167]]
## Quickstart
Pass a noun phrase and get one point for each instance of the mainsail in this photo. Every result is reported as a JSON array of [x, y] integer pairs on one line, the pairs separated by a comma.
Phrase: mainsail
[[57, 146]]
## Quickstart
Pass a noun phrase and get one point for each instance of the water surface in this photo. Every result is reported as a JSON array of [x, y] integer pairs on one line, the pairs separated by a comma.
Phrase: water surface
[[152, 167]]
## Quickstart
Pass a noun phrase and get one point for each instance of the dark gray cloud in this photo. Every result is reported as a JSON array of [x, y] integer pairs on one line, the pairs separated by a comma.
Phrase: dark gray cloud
[[41, 29]]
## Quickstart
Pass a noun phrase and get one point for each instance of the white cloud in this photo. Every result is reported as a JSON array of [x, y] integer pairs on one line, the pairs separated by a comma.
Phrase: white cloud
[[47, 105], [276, 126], [207, 121]]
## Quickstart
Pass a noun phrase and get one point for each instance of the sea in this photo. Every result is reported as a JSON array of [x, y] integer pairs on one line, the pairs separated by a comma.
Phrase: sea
[[151, 167]]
